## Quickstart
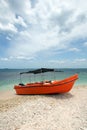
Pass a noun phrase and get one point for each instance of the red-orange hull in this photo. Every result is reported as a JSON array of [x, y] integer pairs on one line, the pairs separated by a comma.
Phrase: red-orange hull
[[62, 86]]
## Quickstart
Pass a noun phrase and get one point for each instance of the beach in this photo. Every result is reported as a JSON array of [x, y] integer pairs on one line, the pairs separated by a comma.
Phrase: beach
[[44, 112], [43, 54]]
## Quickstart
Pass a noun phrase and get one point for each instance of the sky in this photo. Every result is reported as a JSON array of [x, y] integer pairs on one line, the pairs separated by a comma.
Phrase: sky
[[43, 33]]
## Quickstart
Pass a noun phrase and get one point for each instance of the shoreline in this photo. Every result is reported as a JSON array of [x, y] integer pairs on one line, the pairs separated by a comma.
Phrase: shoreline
[[35, 112], [9, 94]]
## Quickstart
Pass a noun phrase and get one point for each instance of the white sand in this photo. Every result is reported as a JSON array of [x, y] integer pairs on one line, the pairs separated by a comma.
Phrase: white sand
[[7, 95], [45, 112]]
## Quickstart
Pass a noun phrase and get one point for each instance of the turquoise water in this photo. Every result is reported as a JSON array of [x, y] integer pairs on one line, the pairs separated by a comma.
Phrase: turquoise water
[[10, 77]]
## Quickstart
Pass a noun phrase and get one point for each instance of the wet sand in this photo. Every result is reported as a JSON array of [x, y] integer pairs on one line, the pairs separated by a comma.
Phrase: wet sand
[[44, 112]]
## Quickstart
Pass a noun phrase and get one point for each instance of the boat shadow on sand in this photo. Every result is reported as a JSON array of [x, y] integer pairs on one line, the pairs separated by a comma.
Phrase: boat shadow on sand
[[62, 96]]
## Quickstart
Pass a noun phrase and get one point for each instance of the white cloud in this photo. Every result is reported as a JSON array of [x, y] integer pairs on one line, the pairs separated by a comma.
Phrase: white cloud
[[58, 61], [33, 41], [68, 63], [9, 19], [9, 27], [80, 60], [74, 49], [21, 57], [4, 59], [49, 25]]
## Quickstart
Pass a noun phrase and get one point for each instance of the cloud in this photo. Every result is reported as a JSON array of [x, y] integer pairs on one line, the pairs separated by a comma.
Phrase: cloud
[[21, 57], [68, 62], [9, 20], [36, 27], [80, 60], [58, 61], [33, 3], [74, 49], [4, 59], [19, 20], [8, 28]]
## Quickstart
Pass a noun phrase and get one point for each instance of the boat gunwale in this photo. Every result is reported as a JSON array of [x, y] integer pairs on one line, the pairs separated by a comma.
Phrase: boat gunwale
[[45, 85]]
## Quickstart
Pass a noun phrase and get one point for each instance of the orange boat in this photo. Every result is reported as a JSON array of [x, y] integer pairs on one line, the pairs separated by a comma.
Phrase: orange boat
[[46, 87]]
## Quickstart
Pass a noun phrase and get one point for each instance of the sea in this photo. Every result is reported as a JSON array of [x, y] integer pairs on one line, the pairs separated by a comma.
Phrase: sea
[[11, 77]]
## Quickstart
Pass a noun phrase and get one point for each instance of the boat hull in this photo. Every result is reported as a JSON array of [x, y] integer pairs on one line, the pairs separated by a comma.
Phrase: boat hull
[[62, 86]]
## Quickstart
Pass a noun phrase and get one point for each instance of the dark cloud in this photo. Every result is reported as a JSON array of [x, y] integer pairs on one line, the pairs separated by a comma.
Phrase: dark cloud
[[33, 3]]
